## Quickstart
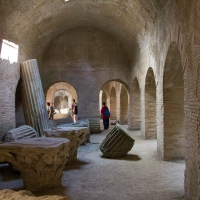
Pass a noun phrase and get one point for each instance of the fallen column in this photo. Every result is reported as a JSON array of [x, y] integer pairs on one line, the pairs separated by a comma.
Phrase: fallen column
[[117, 143], [21, 132], [34, 105]]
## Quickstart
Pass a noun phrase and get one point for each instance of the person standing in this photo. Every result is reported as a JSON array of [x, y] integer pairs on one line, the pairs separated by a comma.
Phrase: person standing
[[75, 111], [51, 111], [105, 115], [48, 108]]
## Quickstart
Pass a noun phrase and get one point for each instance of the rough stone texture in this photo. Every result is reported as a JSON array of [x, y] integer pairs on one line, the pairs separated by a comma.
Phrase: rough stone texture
[[40, 160], [92, 176], [75, 134], [33, 97], [136, 107], [79, 123], [27, 195], [150, 106], [117, 143], [94, 125], [110, 40], [21, 132], [60, 119]]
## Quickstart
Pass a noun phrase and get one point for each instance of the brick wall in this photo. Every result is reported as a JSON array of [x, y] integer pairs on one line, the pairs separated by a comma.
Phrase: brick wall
[[173, 96], [136, 105], [150, 106], [9, 76], [86, 58], [113, 105]]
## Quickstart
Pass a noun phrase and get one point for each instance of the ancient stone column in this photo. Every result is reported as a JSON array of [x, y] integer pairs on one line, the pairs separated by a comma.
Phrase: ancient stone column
[[34, 104], [117, 143]]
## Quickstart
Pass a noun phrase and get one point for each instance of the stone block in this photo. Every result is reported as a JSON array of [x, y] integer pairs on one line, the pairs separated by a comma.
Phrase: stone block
[[75, 134], [40, 160], [117, 143], [79, 123]]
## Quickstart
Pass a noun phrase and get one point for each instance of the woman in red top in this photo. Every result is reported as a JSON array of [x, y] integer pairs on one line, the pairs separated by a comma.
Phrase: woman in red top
[[105, 118]]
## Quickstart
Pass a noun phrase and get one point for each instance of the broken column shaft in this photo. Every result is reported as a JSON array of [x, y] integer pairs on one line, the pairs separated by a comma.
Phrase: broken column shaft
[[33, 97]]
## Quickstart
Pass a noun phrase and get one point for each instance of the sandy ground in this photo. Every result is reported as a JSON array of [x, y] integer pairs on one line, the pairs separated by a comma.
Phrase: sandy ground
[[138, 176]]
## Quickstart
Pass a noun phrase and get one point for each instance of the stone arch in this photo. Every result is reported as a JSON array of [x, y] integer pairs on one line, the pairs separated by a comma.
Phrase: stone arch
[[104, 97], [19, 110], [113, 104], [120, 89], [123, 105], [66, 102], [173, 98], [58, 102], [69, 91], [150, 105], [64, 96], [136, 105]]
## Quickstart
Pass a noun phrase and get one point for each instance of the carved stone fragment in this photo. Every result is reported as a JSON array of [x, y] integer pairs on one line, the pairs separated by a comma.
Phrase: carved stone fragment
[[117, 143], [40, 160], [21, 132], [94, 125], [75, 134], [80, 123]]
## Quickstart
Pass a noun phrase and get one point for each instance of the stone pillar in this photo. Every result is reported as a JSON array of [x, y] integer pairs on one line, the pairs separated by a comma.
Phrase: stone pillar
[[130, 111], [118, 89], [34, 104]]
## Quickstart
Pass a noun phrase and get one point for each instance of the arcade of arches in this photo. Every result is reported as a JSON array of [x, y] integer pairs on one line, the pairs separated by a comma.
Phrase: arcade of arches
[[141, 57]]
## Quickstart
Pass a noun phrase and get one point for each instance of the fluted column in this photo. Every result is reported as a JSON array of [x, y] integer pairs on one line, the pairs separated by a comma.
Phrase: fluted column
[[33, 97], [117, 143]]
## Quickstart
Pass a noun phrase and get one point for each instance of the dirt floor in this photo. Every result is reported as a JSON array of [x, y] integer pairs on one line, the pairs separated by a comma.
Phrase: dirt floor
[[138, 176]]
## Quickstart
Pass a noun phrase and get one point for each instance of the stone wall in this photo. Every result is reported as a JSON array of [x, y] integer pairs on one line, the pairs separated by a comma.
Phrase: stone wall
[[177, 117], [86, 58]]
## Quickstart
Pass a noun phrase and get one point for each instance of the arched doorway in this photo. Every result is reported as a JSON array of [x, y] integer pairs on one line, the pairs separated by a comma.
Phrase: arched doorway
[[150, 106], [66, 102], [64, 90], [117, 100], [123, 106], [58, 102], [173, 98], [19, 112], [113, 108], [136, 105], [104, 97]]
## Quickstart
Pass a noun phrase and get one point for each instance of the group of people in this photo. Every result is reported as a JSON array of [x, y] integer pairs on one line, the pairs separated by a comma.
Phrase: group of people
[[105, 114], [51, 110]]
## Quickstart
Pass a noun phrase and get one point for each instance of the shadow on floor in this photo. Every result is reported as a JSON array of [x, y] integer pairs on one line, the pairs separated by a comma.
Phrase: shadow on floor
[[7, 173], [128, 157], [54, 191], [75, 165]]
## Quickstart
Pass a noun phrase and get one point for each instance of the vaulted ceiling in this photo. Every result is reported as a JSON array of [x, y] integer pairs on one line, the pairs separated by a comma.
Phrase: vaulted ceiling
[[34, 23]]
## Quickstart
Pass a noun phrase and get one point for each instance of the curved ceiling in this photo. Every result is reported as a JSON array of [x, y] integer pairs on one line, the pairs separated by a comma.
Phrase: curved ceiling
[[36, 22]]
